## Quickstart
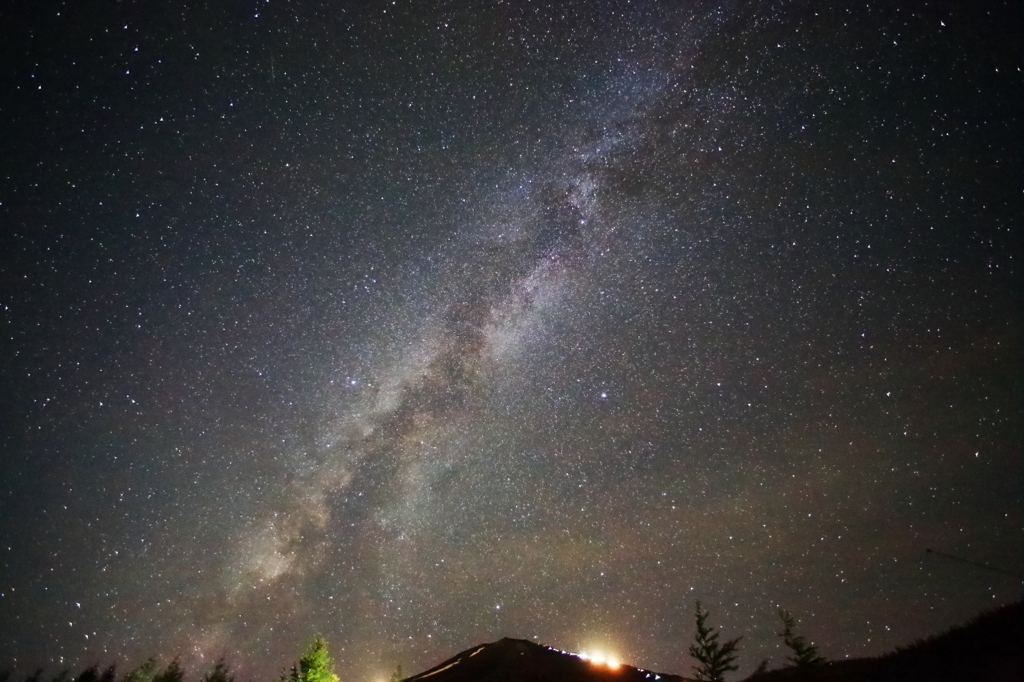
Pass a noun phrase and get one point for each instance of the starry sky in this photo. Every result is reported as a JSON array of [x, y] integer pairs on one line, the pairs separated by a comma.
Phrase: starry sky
[[420, 324]]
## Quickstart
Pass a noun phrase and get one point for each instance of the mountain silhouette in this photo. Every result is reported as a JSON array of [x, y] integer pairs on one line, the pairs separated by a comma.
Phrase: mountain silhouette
[[987, 649], [990, 648], [520, 660]]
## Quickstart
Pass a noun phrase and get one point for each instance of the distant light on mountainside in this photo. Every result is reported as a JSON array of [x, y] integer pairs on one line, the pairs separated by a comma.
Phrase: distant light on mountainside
[[517, 660], [598, 658]]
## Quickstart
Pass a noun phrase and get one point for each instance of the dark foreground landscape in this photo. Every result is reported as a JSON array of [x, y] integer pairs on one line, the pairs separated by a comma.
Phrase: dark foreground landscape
[[987, 649], [519, 660]]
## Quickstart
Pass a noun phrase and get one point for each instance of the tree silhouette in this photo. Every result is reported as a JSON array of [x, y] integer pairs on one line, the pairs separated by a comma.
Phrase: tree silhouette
[[172, 673], [715, 658], [314, 666], [804, 654], [398, 675], [219, 673], [144, 673], [90, 674]]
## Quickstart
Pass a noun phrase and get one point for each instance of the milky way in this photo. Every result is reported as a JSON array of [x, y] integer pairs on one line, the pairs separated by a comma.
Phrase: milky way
[[417, 326]]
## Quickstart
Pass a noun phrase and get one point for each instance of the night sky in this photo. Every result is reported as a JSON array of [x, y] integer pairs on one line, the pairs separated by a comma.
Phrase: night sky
[[420, 324]]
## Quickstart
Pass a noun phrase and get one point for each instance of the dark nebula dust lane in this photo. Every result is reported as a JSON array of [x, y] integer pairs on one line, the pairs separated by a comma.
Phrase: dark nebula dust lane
[[419, 325]]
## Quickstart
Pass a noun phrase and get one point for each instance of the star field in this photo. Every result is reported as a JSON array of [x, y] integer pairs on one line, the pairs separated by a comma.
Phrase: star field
[[417, 325]]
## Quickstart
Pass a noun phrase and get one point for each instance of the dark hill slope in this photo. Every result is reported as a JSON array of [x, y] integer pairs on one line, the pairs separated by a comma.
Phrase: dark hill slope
[[519, 660], [988, 649]]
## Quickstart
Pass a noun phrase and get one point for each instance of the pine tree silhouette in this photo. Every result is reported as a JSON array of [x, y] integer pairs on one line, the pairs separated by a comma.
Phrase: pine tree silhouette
[[715, 658], [90, 674], [172, 673], [219, 673], [144, 673], [804, 654]]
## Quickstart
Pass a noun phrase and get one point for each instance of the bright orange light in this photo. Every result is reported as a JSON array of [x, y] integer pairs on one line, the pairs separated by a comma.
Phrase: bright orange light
[[598, 658]]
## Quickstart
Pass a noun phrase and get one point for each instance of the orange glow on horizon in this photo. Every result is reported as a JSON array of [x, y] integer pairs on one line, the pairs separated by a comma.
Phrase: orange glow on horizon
[[598, 658]]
